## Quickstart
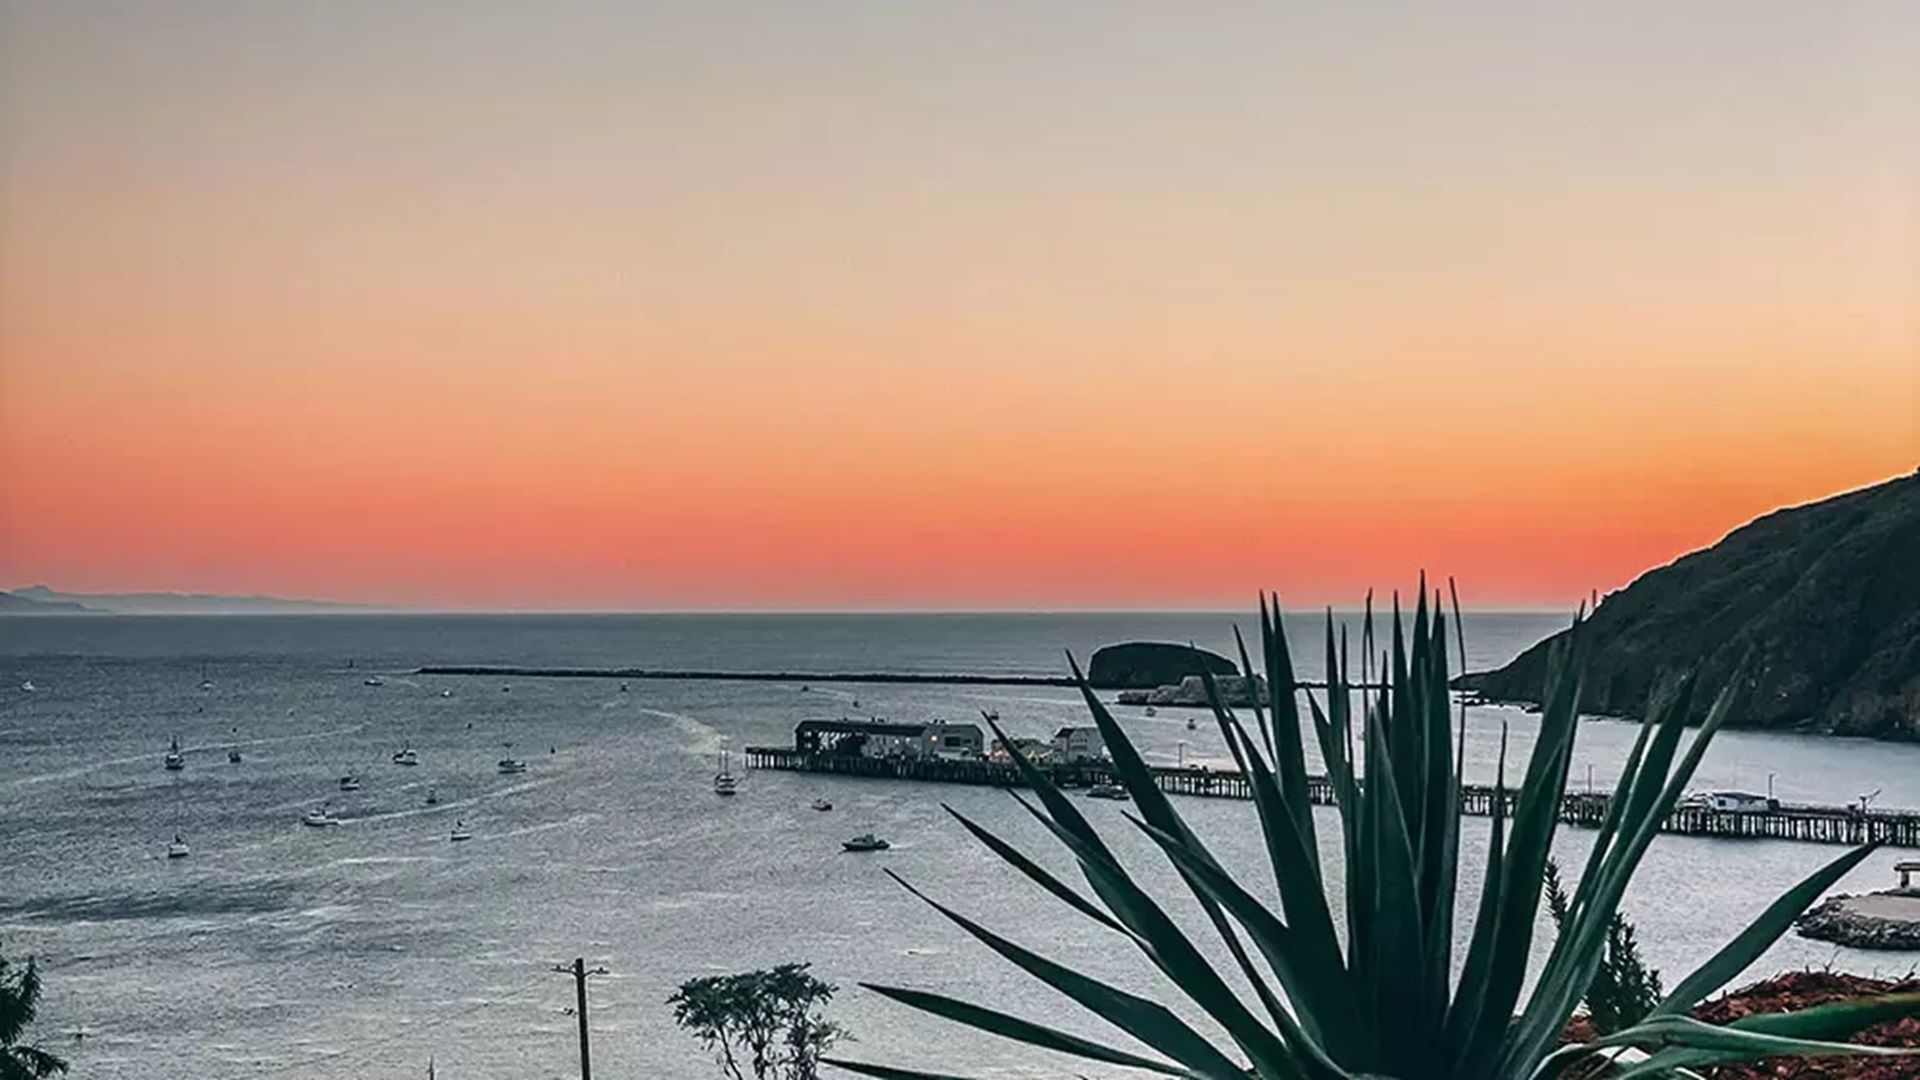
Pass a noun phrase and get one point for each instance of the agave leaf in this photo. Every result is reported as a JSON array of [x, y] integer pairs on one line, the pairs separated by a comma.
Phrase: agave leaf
[[1145, 1020], [1033, 870], [1463, 1020], [1685, 1042], [1760, 935], [885, 1072], [1020, 1030]]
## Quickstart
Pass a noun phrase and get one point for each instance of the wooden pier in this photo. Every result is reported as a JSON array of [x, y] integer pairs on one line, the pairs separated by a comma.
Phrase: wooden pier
[[1803, 824]]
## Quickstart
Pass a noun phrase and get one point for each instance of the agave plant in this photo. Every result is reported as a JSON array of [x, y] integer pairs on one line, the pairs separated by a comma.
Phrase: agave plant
[[1385, 999]]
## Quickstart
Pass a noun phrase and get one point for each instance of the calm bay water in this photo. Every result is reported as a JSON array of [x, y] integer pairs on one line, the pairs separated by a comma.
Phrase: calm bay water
[[364, 949]]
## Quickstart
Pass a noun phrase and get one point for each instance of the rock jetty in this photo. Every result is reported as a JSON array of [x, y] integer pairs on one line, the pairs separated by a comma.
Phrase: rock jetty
[[1884, 920]]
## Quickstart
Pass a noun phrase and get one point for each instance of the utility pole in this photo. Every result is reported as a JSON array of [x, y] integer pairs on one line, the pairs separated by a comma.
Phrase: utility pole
[[579, 970]]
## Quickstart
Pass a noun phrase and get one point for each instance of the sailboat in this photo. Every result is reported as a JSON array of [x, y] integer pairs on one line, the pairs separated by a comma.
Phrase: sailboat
[[233, 755], [724, 782], [178, 849], [175, 760], [460, 832], [350, 782], [406, 756]]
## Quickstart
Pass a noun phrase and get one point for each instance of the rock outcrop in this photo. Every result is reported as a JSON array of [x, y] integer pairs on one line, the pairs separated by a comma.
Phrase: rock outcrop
[[1144, 665], [1874, 921], [1192, 690], [1822, 600]]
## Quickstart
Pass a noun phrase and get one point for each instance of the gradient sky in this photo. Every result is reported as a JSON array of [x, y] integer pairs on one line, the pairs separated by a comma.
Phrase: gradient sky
[[904, 304]]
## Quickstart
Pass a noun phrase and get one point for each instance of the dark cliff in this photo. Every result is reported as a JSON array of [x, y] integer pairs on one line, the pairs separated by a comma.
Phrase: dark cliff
[[1824, 598]]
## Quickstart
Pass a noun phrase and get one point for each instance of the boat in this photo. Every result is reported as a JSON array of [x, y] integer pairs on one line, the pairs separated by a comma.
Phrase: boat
[[460, 832], [28, 687], [175, 760], [406, 756], [724, 782], [433, 797], [350, 782], [446, 693], [511, 766], [319, 817], [991, 716], [373, 680], [233, 756], [822, 804], [1151, 711], [1108, 790], [178, 849], [865, 842], [1192, 725]]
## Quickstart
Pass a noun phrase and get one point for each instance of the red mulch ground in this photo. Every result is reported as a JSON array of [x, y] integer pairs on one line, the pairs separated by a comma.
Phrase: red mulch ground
[[1799, 990]]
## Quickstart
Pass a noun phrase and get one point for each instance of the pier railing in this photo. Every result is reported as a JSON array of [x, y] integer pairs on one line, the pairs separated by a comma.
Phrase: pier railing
[[1806, 824]]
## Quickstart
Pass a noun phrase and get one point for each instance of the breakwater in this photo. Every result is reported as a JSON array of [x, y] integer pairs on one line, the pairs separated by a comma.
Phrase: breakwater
[[1805, 824], [636, 674]]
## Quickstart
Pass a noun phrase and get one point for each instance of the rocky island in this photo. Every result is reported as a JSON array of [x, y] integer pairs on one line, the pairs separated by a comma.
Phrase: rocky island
[[1823, 599]]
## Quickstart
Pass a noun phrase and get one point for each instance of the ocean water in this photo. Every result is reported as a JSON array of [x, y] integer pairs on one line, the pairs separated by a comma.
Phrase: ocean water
[[366, 949]]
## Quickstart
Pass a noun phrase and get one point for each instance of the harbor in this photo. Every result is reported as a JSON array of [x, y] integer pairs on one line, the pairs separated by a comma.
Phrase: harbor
[[1768, 820]]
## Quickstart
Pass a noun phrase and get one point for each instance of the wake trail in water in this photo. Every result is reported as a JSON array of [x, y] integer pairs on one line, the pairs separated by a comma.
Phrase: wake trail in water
[[106, 763]]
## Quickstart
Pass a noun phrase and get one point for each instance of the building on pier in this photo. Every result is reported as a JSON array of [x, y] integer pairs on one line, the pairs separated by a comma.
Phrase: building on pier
[[1076, 744], [882, 739]]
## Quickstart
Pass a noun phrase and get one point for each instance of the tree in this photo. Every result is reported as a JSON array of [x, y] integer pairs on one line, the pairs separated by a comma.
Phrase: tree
[[762, 1021], [1623, 991], [19, 999]]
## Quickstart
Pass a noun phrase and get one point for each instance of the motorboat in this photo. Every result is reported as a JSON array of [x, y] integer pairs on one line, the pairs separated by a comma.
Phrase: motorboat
[[175, 760], [433, 797], [1151, 711], [1108, 790], [822, 804], [511, 766], [446, 693], [460, 832], [178, 849], [724, 782], [407, 756], [1192, 724], [28, 687], [373, 680], [319, 817], [233, 756], [350, 782], [865, 842]]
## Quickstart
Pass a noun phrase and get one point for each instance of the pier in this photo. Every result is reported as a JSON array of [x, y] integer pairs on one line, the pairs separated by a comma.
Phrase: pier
[[1802, 824], [804, 678]]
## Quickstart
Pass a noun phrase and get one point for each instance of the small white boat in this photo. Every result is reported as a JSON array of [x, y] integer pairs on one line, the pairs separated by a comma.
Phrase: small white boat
[[406, 756], [1192, 724], [446, 693], [433, 797], [28, 687], [233, 756], [178, 849], [865, 842], [1108, 791], [822, 804], [206, 684], [511, 766], [373, 680], [175, 760], [319, 817], [460, 832], [724, 782], [350, 782], [1151, 711]]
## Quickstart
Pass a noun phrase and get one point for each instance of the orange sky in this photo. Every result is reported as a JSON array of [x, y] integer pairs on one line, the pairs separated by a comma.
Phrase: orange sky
[[884, 305]]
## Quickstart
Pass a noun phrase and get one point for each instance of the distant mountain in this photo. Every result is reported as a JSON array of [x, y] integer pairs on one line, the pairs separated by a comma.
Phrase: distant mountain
[[165, 603], [1824, 598], [15, 604]]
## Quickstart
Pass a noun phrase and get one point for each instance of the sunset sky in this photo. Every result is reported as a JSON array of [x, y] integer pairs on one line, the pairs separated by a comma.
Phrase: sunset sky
[[900, 304]]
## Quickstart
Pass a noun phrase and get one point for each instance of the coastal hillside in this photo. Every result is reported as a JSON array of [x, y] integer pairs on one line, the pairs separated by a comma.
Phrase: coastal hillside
[[1824, 597]]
